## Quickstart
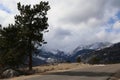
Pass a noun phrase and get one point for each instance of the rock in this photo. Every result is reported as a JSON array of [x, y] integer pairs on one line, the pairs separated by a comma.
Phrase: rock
[[8, 73]]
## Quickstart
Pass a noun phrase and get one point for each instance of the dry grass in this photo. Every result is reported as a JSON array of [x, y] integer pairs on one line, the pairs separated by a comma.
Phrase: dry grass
[[59, 67], [52, 68]]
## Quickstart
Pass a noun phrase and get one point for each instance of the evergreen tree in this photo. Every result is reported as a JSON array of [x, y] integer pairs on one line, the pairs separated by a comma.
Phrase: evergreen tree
[[18, 41], [11, 47], [32, 22]]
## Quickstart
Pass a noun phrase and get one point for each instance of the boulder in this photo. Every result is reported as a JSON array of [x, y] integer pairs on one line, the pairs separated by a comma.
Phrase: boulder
[[8, 73]]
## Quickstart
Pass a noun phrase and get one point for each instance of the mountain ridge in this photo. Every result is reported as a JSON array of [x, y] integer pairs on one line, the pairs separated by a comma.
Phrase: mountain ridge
[[45, 56]]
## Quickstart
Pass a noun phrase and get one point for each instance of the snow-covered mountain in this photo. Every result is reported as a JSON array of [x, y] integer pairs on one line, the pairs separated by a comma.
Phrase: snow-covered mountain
[[94, 46], [99, 45], [45, 56], [84, 51]]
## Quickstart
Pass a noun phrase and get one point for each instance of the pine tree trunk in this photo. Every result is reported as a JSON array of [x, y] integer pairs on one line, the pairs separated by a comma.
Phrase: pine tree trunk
[[30, 61], [30, 55]]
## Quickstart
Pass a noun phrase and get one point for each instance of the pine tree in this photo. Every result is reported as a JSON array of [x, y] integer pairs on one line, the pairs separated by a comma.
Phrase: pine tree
[[12, 50], [32, 22]]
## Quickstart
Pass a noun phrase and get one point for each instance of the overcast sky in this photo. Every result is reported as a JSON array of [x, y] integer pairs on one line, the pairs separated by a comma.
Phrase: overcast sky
[[73, 22]]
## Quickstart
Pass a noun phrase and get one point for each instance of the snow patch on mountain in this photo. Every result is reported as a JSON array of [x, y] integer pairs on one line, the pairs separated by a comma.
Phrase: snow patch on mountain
[[94, 46]]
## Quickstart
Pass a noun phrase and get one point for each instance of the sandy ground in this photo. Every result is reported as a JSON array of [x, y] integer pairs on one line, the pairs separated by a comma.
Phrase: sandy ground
[[52, 68]]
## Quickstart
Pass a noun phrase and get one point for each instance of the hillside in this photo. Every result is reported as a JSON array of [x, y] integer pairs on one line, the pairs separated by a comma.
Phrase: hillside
[[105, 56], [85, 51]]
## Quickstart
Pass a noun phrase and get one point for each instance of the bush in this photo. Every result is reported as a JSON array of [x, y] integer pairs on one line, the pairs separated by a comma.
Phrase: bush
[[94, 60], [78, 59]]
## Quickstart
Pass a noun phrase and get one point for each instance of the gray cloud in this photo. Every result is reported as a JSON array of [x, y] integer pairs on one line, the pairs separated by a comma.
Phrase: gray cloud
[[73, 22], [62, 33], [115, 3], [86, 20], [84, 11]]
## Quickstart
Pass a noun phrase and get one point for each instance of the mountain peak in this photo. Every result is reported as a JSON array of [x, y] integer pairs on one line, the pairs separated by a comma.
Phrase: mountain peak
[[93, 46]]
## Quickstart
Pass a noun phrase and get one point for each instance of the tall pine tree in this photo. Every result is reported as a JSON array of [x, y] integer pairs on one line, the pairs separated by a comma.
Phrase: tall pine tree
[[32, 22]]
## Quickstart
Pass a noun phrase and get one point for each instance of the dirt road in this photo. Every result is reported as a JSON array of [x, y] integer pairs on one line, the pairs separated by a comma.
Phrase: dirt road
[[91, 73]]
